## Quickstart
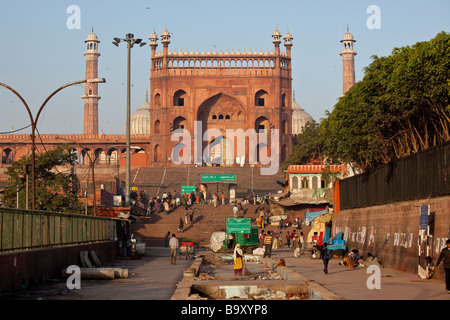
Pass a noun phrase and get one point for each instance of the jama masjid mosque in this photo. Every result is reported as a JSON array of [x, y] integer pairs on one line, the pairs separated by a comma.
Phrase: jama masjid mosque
[[220, 90]]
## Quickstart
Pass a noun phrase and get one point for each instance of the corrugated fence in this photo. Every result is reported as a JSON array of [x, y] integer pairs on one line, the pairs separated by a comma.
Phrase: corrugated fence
[[23, 230], [419, 176]]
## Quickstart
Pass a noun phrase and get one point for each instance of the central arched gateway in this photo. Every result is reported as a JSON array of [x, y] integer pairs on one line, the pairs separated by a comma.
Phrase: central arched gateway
[[219, 114]]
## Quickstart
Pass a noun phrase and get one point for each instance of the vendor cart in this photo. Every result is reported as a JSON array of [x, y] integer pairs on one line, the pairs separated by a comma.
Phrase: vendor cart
[[187, 248]]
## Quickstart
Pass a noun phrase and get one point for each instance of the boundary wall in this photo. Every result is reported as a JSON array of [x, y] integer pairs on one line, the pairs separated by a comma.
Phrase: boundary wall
[[391, 232], [20, 269]]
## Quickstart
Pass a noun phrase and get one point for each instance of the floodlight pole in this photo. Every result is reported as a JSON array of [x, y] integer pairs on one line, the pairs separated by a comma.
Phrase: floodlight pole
[[129, 39]]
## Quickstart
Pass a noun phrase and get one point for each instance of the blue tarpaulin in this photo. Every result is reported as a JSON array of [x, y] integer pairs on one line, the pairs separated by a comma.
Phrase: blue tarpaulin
[[326, 236], [337, 243], [312, 215]]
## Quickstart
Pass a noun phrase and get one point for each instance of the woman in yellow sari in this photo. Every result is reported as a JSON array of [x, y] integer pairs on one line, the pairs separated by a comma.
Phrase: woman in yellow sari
[[238, 262]]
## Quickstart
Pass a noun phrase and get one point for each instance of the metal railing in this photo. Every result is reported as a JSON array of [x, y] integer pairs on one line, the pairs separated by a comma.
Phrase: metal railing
[[419, 176], [24, 230]]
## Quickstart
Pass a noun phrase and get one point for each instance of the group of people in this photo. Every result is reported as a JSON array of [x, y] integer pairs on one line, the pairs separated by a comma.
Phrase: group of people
[[170, 201], [271, 240], [188, 218]]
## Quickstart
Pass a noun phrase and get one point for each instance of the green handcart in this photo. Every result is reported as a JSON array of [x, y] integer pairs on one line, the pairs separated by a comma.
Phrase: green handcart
[[243, 233]]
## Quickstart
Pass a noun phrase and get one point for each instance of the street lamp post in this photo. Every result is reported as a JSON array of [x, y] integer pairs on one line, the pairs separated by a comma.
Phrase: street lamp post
[[33, 128], [129, 39]]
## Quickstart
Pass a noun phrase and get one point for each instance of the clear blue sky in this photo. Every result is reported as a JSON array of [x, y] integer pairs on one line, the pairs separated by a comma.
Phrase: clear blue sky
[[39, 53]]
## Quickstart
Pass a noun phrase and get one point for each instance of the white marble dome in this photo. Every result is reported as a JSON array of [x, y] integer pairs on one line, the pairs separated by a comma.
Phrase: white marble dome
[[299, 118], [140, 120]]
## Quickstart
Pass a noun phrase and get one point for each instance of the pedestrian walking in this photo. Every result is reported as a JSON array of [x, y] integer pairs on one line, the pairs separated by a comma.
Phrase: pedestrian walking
[[186, 214], [293, 234], [268, 245], [275, 237], [288, 239], [296, 246], [166, 239], [302, 242], [280, 240], [223, 199], [177, 198], [173, 244], [262, 234], [326, 257], [445, 256], [215, 199], [191, 215], [241, 212], [166, 207], [235, 211], [238, 262], [157, 205], [181, 226]]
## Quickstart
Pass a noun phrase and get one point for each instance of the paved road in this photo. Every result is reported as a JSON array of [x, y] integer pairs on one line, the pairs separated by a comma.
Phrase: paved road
[[351, 284], [150, 278], [153, 278]]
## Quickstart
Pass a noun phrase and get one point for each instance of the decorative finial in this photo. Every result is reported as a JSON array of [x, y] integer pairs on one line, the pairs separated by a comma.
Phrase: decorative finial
[[293, 95], [347, 27], [146, 95]]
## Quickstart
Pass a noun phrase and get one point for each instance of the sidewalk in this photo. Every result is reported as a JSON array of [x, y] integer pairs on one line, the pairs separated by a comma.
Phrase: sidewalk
[[153, 278], [350, 284], [150, 278]]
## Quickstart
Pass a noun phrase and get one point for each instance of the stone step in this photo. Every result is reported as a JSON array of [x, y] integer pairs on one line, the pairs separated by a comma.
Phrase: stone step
[[206, 221], [156, 180]]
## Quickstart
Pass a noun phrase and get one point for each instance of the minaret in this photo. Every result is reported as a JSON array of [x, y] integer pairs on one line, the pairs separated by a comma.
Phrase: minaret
[[348, 59], [288, 43], [153, 42], [91, 96]]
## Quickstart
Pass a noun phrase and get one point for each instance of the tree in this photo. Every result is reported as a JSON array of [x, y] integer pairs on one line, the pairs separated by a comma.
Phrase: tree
[[54, 189], [401, 106], [308, 146]]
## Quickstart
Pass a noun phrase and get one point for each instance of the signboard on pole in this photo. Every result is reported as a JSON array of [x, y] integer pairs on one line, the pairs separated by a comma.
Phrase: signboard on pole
[[187, 189], [424, 212]]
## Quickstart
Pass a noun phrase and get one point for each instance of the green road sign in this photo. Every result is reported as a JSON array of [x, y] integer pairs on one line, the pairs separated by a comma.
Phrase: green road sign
[[218, 177], [187, 189], [241, 225]]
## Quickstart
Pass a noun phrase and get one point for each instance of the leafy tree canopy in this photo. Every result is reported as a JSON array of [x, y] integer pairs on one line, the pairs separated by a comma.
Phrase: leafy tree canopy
[[400, 107], [54, 189], [308, 146]]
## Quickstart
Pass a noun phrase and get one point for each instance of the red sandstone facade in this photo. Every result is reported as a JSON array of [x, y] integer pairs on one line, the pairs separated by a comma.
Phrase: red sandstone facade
[[231, 90], [236, 90]]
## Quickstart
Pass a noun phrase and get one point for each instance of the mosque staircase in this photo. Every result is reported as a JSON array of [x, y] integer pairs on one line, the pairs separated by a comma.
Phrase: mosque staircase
[[156, 180], [207, 220]]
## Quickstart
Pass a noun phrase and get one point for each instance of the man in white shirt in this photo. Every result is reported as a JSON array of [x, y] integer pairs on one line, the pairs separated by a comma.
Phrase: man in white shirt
[[235, 211], [173, 244]]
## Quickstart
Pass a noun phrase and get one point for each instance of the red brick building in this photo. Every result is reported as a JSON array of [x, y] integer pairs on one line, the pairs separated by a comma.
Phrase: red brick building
[[221, 90]]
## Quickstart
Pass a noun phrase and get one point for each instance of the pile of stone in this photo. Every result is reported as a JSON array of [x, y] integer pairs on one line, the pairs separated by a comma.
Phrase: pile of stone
[[203, 276], [270, 275]]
